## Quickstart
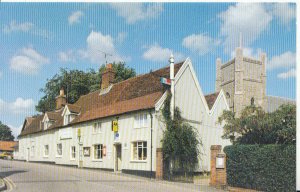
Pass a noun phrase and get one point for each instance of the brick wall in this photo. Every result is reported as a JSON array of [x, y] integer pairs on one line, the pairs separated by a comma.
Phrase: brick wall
[[159, 164]]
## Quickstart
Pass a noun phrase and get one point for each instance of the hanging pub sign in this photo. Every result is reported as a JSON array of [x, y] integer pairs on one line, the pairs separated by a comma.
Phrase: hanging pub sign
[[115, 126], [165, 81]]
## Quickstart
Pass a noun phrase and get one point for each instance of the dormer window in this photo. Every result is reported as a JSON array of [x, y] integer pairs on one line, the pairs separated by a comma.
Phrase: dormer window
[[67, 119], [47, 124]]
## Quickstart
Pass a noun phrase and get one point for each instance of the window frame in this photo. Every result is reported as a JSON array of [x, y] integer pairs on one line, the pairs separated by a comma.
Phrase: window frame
[[140, 120], [46, 155], [71, 152], [96, 128], [100, 150], [57, 154], [135, 147]]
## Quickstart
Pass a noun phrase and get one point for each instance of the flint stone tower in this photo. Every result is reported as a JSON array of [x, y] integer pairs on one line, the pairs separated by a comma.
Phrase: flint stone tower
[[243, 80]]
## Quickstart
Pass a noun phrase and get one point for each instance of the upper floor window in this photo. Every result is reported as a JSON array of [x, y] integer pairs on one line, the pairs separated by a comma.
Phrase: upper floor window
[[97, 127], [140, 120]]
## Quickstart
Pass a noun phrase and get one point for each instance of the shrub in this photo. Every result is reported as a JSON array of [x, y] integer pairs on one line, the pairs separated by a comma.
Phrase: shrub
[[261, 167]]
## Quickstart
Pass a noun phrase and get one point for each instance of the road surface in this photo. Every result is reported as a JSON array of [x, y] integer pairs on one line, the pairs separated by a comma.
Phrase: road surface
[[37, 177]]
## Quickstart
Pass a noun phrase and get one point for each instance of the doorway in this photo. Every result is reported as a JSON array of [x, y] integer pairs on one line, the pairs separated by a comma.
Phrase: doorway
[[118, 159]]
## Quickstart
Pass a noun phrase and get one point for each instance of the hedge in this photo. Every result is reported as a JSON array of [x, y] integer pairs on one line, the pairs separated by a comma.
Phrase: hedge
[[261, 167]]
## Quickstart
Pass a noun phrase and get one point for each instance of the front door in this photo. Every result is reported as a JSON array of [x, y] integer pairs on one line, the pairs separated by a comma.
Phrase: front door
[[118, 159]]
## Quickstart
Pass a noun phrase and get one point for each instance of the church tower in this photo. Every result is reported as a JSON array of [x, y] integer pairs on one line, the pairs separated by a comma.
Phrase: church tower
[[243, 80]]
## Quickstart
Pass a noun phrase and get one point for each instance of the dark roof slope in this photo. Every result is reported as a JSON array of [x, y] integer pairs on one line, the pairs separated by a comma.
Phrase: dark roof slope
[[211, 98], [137, 93]]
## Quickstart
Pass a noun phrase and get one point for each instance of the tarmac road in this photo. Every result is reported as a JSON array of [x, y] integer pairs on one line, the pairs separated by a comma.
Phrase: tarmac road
[[38, 177]]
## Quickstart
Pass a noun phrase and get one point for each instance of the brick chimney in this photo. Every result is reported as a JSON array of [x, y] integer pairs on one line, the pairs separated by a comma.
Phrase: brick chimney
[[108, 76], [61, 100]]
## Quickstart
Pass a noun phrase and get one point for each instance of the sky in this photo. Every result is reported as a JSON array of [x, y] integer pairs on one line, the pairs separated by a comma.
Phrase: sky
[[37, 39]]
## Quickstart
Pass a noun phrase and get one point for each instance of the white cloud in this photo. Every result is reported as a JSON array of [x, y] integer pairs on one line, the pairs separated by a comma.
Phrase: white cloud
[[97, 44], [68, 56], [249, 19], [121, 37], [14, 27], [249, 52], [133, 12], [75, 17], [28, 61], [158, 54], [19, 106], [15, 130], [285, 60], [200, 43], [285, 12], [289, 74]]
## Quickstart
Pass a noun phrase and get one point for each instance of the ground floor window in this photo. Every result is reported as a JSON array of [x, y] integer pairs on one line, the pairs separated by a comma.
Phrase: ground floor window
[[139, 150], [98, 151], [73, 152], [59, 149], [46, 150]]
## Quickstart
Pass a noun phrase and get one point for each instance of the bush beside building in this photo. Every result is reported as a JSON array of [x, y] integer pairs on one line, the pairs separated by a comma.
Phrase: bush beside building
[[261, 167]]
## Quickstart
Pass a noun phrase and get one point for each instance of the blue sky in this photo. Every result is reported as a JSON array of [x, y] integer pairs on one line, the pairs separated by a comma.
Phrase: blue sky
[[37, 39]]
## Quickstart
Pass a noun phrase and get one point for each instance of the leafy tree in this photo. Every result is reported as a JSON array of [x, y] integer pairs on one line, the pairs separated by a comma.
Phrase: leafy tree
[[77, 83], [5, 133], [254, 126], [180, 143]]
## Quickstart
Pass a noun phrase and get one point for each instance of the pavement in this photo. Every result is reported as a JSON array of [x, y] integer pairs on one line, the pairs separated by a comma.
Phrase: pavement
[[36, 177]]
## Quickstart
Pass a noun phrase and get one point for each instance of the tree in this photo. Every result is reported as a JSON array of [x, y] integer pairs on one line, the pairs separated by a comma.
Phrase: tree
[[180, 143], [5, 133], [77, 83], [254, 126]]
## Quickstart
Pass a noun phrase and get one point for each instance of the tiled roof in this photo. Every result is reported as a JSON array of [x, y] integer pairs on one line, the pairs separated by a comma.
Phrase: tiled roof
[[74, 108], [7, 145], [211, 98], [137, 93], [54, 115]]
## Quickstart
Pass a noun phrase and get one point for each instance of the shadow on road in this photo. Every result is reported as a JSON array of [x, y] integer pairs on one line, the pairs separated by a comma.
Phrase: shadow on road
[[9, 173]]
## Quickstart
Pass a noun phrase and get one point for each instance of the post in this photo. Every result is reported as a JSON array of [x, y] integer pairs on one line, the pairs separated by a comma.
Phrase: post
[[151, 144], [217, 167], [172, 104]]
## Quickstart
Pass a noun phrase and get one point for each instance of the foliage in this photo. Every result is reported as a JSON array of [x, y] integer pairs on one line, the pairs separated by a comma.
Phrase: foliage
[[77, 83], [254, 126], [264, 168], [5, 133], [180, 143]]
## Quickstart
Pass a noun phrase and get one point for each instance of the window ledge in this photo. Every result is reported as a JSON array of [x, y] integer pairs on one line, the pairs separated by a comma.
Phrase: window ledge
[[58, 156], [72, 159], [96, 133], [140, 127], [138, 161], [97, 160], [45, 156]]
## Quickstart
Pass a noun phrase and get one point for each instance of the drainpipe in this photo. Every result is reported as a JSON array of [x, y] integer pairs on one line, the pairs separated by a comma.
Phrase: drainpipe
[[172, 104], [151, 117]]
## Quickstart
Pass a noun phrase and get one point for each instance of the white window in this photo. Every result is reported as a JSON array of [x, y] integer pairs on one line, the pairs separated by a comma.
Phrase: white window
[[97, 127], [141, 120], [139, 150], [67, 119], [98, 151], [47, 124], [32, 151], [59, 149], [73, 152], [46, 150]]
